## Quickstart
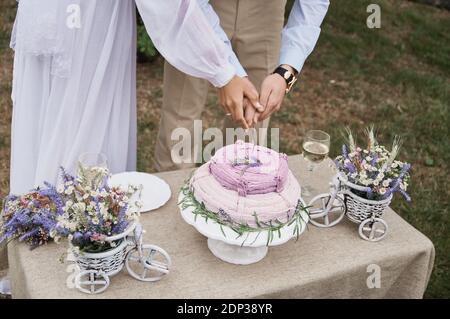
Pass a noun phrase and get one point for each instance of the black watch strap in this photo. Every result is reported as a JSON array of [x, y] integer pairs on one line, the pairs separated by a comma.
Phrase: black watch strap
[[288, 76]]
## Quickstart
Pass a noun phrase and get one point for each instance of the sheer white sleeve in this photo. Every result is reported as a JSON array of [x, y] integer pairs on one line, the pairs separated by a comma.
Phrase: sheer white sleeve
[[214, 21], [183, 35]]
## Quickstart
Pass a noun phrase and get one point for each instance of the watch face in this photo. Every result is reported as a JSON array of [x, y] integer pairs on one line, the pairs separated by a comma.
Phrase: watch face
[[291, 84]]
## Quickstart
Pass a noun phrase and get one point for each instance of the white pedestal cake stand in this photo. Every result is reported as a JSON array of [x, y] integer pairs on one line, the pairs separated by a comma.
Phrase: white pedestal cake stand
[[246, 249]]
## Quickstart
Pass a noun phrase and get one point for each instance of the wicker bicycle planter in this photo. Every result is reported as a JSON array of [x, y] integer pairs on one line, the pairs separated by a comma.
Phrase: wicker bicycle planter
[[139, 260], [360, 209], [109, 262]]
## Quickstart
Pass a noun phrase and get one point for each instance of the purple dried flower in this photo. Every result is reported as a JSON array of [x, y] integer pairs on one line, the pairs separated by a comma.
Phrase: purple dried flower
[[374, 160], [97, 209], [29, 234], [369, 193], [350, 167], [66, 177], [62, 231], [87, 235], [338, 164], [344, 151], [77, 236], [404, 170], [10, 198], [44, 219], [78, 239], [120, 227], [122, 212], [405, 195], [121, 224], [104, 184], [223, 215], [53, 195]]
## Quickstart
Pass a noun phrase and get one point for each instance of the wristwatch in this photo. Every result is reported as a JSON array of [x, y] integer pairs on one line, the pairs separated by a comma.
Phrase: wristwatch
[[288, 76]]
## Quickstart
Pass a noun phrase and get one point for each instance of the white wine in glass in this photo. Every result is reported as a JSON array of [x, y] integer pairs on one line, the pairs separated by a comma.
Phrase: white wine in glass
[[315, 152], [316, 147]]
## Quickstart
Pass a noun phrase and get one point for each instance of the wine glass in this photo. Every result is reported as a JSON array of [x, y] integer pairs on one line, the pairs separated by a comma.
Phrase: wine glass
[[316, 146], [92, 168]]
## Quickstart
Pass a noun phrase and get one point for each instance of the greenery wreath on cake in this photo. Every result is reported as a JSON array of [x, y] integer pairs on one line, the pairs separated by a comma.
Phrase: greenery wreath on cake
[[272, 228]]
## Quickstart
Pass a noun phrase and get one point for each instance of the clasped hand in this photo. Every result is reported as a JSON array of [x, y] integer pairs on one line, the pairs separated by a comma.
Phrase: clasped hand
[[245, 105]]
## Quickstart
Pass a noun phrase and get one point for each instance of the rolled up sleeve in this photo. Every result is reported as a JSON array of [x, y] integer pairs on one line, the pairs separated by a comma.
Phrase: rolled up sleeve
[[300, 35]]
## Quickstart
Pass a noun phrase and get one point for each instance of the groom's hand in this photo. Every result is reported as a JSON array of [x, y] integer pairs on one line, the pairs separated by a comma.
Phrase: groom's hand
[[273, 90], [232, 99]]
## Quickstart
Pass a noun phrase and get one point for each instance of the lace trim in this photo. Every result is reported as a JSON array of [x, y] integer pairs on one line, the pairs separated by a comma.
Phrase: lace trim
[[40, 30]]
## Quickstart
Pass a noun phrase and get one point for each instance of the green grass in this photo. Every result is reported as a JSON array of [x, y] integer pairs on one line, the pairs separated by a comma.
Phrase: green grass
[[398, 78]]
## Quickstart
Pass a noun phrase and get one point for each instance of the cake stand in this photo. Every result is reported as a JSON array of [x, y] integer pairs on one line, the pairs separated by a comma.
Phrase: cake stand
[[245, 249]]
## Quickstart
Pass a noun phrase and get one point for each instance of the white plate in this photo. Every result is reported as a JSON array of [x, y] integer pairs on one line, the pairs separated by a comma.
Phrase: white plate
[[155, 191]]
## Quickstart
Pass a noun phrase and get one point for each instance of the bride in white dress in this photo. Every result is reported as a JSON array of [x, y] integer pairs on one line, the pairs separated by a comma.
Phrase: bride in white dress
[[74, 78], [74, 87]]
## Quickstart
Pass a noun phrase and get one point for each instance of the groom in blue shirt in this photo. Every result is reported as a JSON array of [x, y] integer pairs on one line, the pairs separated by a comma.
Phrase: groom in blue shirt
[[262, 51]]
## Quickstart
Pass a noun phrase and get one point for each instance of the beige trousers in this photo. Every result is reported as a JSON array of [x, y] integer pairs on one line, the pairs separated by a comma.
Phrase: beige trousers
[[254, 28]]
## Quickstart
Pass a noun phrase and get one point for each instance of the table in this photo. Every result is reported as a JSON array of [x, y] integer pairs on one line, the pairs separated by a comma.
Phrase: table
[[323, 263]]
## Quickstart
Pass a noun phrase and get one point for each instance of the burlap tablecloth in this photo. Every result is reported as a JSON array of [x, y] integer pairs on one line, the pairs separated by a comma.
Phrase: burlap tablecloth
[[324, 263]]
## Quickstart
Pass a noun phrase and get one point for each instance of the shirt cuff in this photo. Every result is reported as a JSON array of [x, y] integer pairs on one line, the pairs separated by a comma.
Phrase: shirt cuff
[[240, 71], [290, 56], [224, 76]]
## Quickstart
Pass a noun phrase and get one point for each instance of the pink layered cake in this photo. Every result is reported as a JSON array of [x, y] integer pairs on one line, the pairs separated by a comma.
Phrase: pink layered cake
[[243, 180]]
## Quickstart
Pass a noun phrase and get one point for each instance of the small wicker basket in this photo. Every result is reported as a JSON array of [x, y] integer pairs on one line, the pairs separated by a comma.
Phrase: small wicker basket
[[360, 209], [109, 262]]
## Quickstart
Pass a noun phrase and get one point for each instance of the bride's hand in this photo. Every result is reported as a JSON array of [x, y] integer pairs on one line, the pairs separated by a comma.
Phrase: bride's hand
[[232, 99], [250, 113]]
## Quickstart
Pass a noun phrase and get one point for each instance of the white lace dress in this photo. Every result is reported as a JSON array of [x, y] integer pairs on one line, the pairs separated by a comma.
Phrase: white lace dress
[[93, 109]]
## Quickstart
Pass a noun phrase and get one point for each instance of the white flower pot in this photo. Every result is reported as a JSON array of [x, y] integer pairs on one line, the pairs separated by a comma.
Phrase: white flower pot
[[360, 209], [109, 262]]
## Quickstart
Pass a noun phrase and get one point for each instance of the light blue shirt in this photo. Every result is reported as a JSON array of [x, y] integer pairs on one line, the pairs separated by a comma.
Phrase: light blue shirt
[[298, 38]]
